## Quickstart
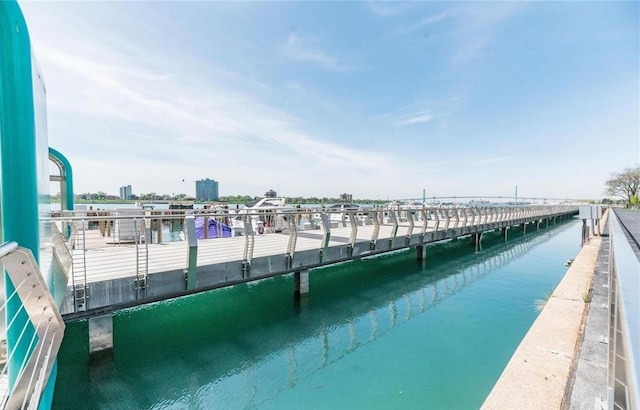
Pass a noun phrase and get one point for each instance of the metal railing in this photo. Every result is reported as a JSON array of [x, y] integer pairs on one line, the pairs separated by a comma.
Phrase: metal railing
[[139, 243], [39, 337], [624, 321]]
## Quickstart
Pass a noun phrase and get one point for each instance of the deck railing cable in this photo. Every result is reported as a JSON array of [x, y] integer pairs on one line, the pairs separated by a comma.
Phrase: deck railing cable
[[106, 249], [41, 334]]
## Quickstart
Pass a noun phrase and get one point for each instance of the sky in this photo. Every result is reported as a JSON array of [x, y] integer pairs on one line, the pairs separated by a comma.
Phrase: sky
[[377, 99]]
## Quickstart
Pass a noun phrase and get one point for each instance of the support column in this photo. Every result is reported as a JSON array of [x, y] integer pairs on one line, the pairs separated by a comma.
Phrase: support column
[[504, 233], [301, 284], [478, 241], [421, 253], [101, 335]]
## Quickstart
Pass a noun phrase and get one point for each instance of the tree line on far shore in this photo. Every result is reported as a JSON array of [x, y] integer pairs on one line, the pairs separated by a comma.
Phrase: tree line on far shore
[[230, 199], [624, 185]]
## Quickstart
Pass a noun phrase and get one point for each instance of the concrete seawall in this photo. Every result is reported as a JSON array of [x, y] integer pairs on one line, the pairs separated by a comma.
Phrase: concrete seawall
[[539, 374]]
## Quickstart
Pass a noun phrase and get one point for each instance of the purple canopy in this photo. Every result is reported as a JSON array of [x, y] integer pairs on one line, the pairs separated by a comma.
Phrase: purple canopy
[[216, 229]]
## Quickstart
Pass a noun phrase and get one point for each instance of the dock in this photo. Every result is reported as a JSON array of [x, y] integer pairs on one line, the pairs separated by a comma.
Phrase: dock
[[109, 270]]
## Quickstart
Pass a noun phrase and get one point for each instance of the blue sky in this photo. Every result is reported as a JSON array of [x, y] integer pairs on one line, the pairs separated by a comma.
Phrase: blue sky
[[379, 100]]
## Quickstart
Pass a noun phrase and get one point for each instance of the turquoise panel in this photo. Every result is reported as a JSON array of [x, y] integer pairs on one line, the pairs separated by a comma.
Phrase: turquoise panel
[[24, 177], [18, 187], [68, 175]]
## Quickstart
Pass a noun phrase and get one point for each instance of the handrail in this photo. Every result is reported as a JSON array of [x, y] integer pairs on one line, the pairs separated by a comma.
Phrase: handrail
[[254, 245], [624, 326], [44, 318]]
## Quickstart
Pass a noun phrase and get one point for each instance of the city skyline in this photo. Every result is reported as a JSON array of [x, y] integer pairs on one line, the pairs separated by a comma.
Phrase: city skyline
[[376, 99]]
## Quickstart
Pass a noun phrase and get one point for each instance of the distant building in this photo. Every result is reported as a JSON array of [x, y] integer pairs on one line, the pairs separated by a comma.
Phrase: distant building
[[271, 194], [125, 192], [207, 190], [346, 197]]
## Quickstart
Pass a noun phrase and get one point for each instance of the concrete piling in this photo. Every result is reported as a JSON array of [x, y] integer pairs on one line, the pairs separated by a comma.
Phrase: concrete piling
[[100, 334], [301, 283], [421, 253]]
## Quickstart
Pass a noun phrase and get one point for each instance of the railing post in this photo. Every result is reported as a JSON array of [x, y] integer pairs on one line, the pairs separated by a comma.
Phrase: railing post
[[394, 231], [326, 226], [192, 252], [249, 241], [425, 223], [376, 229], [292, 220], [455, 213], [411, 224], [354, 232], [159, 226], [447, 220]]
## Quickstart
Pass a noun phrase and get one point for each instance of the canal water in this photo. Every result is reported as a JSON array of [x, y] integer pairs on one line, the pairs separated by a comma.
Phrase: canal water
[[376, 333]]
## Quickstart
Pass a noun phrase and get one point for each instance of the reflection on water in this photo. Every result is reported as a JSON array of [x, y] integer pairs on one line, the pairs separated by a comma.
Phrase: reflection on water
[[378, 333]]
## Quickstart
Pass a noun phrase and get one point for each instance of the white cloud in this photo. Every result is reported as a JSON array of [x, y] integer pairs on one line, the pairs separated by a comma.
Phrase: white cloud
[[477, 25], [426, 22], [434, 19], [417, 118], [151, 104], [152, 125], [303, 49], [471, 27]]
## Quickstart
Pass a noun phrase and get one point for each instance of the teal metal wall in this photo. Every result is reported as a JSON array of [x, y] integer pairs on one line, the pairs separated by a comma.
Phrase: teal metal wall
[[67, 175], [21, 150]]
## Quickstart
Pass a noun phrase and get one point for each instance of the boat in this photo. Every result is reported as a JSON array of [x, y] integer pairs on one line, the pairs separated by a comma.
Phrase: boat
[[180, 205], [143, 205], [413, 205], [343, 207], [267, 215], [338, 214], [215, 229]]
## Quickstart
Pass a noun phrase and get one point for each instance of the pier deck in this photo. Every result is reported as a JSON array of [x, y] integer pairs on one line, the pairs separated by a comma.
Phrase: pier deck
[[107, 276], [106, 261]]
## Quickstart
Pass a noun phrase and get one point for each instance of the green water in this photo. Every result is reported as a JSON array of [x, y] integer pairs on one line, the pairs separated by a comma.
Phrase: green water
[[380, 333]]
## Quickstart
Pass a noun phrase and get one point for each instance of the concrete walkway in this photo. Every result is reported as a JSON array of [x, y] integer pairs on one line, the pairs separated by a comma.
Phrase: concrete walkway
[[631, 221], [539, 374]]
